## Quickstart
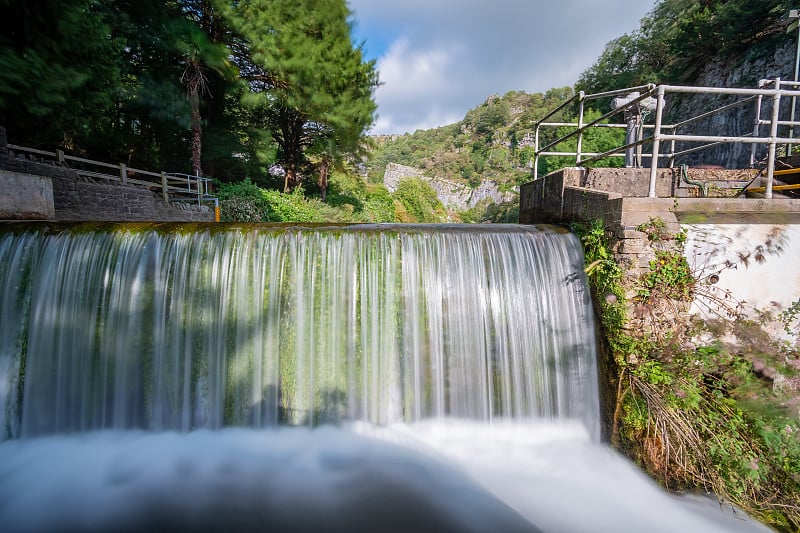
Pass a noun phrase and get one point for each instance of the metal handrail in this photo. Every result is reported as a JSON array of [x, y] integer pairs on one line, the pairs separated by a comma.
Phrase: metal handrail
[[581, 127], [669, 132]]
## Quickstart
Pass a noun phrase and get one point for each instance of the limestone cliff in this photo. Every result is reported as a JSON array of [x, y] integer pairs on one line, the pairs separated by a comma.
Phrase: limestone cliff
[[452, 194]]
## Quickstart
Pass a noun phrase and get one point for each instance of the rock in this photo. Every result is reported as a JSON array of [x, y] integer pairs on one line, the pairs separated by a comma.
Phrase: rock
[[452, 194]]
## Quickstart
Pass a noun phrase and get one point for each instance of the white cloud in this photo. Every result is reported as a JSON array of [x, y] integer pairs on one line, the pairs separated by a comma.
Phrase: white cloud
[[413, 82], [446, 57]]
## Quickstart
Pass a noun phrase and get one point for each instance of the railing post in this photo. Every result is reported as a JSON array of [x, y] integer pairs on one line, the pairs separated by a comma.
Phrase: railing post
[[672, 146], [773, 135], [536, 153], [756, 126], [123, 173], [60, 157], [581, 95], [656, 142], [164, 192]]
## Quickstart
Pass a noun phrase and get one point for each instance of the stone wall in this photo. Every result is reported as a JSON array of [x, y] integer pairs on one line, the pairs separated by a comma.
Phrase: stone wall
[[25, 197], [76, 198], [452, 195], [747, 246]]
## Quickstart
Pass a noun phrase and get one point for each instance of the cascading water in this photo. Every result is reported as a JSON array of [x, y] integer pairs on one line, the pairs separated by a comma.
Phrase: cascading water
[[189, 330], [411, 334]]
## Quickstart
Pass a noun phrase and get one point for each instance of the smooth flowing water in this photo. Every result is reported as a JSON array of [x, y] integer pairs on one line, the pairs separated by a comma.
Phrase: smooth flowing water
[[336, 378]]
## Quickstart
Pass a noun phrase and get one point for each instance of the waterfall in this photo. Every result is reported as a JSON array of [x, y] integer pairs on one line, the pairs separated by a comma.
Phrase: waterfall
[[186, 327], [358, 378]]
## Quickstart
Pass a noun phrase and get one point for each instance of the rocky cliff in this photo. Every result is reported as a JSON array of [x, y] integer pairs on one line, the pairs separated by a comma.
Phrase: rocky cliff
[[746, 71], [453, 195]]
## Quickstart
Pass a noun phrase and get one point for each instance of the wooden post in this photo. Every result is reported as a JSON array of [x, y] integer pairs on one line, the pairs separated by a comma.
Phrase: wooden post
[[164, 186], [60, 157], [123, 173]]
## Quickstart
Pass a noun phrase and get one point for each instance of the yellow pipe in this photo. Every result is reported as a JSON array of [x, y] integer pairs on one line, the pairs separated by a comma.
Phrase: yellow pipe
[[775, 188], [786, 171]]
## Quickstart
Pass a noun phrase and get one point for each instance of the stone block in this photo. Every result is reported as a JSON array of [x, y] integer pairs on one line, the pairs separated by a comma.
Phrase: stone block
[[26, 197]]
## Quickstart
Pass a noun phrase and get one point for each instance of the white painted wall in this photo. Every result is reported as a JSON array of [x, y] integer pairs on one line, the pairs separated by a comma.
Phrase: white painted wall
[[755, 265]]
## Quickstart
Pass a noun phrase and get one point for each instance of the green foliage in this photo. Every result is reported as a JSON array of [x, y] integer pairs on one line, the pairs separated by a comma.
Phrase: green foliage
[[378, 205], [705, 417], [789, 318], [175, 85], [605, 277], [602, 269], [364, 202], [635, 415], [670, 276], [291, 207], [491, 212], [58, 69], [419, 202], [694, 418], [488, 117], [315, 88], [491, 142], [655, 229], [242, 202], [595, 140], [653, 372], [350, 201], [680, 36]]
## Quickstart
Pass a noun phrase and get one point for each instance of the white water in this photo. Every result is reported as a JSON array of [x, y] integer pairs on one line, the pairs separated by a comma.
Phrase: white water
[[430, 476], [140, 367]]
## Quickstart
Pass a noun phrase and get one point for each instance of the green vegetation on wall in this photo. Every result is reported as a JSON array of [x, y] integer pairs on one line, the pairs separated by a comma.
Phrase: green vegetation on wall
[[696, 414], [417, 201]]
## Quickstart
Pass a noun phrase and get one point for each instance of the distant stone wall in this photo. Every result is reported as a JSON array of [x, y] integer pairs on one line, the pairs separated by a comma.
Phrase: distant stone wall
[[76, 198], [453, 195]]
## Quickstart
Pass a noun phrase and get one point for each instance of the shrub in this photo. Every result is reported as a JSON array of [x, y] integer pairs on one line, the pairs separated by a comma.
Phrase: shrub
[[242, 202], [419, 202]]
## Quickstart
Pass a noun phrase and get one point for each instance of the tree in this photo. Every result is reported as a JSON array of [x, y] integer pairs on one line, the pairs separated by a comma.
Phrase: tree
[[58, 69], [200, 56], [679, 37], [311, 81]]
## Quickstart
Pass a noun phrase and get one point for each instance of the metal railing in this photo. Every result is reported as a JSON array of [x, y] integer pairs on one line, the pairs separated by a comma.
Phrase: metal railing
[[661, 134], [173, 186]]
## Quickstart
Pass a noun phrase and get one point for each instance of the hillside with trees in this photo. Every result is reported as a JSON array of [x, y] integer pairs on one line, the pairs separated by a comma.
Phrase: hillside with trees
[[494, 141], [680, 37]]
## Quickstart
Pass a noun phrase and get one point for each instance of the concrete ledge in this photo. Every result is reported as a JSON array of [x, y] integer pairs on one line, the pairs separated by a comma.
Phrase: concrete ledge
[[736, 210], [26, 197]]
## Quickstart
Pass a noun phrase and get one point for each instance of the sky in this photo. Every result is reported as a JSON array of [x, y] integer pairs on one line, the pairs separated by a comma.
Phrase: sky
[[437, 59]]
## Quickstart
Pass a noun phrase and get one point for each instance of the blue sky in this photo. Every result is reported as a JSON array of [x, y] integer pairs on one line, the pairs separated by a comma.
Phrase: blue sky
[[439, 58]]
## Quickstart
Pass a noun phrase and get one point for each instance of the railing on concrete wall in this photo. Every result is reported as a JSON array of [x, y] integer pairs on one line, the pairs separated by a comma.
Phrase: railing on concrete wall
[[173, 186], [659, 133]]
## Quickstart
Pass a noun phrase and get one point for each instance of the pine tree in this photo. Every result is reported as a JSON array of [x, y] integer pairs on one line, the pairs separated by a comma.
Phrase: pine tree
[[313, 84]]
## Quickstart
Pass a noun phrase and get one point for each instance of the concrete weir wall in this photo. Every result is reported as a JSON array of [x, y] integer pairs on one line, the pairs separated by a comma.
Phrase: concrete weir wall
[[26, 197], [38, 191], [746, 250]]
